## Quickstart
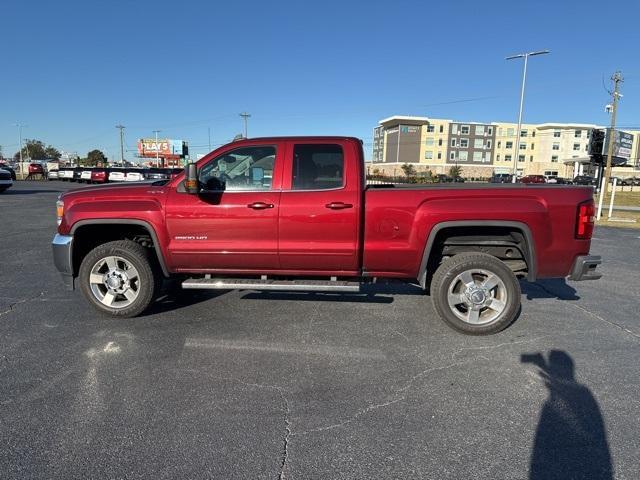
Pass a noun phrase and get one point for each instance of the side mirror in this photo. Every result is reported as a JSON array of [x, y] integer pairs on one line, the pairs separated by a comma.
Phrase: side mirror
[[191, 180]]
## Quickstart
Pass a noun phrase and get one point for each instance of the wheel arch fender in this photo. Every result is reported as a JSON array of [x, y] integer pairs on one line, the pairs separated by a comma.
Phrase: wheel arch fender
[[529, 253]]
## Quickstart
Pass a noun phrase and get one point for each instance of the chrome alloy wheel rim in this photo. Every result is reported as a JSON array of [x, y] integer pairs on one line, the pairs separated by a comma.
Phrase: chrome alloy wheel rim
[[477, 296], [114, 282]]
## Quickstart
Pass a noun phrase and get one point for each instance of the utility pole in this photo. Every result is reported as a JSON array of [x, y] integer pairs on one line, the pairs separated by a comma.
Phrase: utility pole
[[245, 116], [20, 127], [524, 81], [617, 80], [157, 148], [121, 128]]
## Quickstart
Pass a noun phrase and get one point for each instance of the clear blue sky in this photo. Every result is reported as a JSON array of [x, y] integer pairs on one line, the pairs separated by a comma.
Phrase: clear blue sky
[[73, 69]]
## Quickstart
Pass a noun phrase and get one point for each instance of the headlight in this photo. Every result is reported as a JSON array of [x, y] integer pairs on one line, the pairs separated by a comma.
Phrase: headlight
[[59, 211]]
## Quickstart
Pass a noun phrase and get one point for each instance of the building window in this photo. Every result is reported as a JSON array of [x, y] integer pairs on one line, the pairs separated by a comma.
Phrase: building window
[[478, 143], [523, 133], [428, 155], [523, 145], [556, 146], [487, 157], [531, 158], [510, 132], [479, 129], [532, 145], [439, 155], [439, 142], [429, 142], [441, 128], [499, 144], [554, 158], [497, 157], [556, 133], [464, 129], [452, 156], [521, 158], [577, 134], [464, 143], [576, 147], [488, 144], [431, 128], [463, 155], [489, 130], [508, 145], [551, 173], [453, 142], [454, 129], [533, 133], [508, 158], [477, 156]]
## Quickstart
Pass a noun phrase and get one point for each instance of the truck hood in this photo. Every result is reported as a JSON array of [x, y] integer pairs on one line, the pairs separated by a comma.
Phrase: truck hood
[[125, 189]]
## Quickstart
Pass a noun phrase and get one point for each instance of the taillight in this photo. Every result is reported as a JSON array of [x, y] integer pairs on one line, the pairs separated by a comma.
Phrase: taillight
[[586, 220]]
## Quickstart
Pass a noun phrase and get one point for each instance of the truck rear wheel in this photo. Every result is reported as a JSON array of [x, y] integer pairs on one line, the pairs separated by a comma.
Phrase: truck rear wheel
[[119, 278], [475, 293]]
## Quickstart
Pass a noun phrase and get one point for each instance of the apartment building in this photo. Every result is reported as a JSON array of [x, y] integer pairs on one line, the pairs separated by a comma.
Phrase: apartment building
[[482, 149]]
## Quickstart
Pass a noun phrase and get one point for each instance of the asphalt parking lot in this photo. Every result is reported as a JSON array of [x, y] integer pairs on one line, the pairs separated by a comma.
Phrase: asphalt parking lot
[[249, 385]]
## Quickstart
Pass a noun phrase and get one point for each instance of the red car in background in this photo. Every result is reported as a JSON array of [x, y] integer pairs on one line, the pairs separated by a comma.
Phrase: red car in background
[[36, 169], [533, 179], [99, 175]]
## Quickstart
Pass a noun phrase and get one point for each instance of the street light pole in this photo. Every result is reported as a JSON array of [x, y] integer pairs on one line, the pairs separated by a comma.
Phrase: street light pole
[[157, 148], [20, 127], [245, 116], [524, 81]]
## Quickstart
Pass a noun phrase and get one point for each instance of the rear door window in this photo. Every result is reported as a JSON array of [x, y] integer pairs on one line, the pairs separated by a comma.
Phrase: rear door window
[[317, 167]]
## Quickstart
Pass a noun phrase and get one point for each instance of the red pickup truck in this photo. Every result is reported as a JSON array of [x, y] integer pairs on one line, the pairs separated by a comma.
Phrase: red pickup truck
[[295, 214]]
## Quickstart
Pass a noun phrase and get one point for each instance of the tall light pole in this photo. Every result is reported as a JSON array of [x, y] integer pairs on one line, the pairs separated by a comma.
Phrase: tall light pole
[[245, 116], [121, 128], [524, 81], [20, 127], [157, 148]]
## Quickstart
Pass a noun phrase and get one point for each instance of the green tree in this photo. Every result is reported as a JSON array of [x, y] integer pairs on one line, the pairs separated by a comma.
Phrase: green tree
[[455, 171], [408, 169], [94, 157], [52, 153]]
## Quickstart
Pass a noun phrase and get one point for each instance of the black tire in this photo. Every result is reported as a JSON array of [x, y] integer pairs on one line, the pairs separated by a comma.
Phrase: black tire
[[148, 285], [506, 293]]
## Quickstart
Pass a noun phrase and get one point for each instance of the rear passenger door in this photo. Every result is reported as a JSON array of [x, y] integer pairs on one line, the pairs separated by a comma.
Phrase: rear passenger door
[[319, 209]]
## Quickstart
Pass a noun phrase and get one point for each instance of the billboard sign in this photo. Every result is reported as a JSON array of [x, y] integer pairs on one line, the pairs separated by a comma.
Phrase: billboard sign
[[622, 144], [164, 148]]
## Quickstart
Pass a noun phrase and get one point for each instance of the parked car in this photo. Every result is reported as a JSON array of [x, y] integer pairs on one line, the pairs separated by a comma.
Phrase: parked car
[[85, 175], [9, 169], [305, 220], [635, 181], [99, 175], [53, 174], [65, 173], [77, 174], [158, 174], [6, 180], [501, 178], [584, 180], [559, 180], [118, 174], [135, 175], [442, 178], [624, 182], [36, 169], [533, 179]]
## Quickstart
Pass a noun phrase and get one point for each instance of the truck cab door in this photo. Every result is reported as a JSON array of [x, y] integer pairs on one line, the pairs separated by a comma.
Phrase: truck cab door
[[320, 208], [232, 225]]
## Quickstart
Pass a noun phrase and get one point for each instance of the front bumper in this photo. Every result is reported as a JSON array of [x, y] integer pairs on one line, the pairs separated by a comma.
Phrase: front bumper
[[62, 258], [584, 268]]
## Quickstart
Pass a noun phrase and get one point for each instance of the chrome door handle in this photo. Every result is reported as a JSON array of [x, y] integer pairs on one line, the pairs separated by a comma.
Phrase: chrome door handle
[[260, 205], [338, 205]]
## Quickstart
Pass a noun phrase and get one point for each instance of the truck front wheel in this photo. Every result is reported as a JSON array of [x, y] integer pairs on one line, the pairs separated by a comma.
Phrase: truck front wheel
[[118, 278], [475, 293]]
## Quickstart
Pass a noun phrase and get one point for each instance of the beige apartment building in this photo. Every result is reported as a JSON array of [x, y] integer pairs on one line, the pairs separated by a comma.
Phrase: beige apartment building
[[482, 149]]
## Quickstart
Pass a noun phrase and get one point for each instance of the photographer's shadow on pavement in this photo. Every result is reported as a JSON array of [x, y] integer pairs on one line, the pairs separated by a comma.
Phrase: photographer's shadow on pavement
[[549, 288], [571, 441]]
